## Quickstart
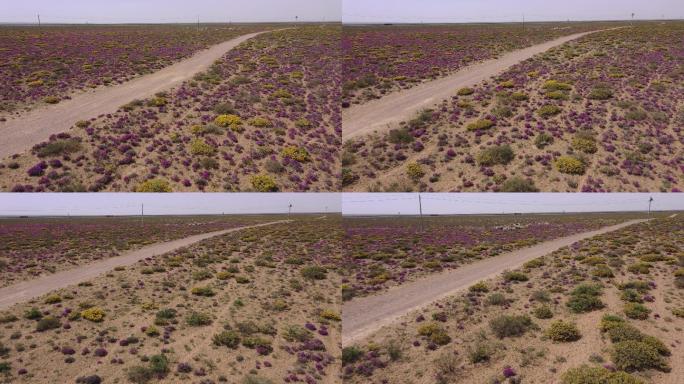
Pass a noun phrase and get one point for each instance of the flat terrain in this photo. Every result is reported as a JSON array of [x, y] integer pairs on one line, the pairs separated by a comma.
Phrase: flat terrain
[[27, 290], [384, 252], [363, 316], [257, 305], [35, 247], [262, 118], [609, 306], [599, 113], [24, 132], [385, 113]]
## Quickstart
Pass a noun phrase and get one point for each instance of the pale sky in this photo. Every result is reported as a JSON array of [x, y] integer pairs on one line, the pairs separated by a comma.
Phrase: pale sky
[[97, 204], [167, 11], [471, 203], [460, 11]]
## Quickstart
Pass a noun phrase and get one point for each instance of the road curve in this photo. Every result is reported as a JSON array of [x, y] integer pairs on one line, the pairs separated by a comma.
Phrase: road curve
[[30, 289], [21, 133], [387, 112], [363, 316]]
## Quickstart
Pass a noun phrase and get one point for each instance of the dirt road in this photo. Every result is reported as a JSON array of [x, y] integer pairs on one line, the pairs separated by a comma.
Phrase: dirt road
[[363, 316], [387, 112], [28, 290], [20, 134]]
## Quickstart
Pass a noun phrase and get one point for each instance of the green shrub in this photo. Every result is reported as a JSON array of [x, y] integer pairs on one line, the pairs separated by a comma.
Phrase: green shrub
[[543, 140], [253, 379], [47, 323], [299, 154], [600, 93], [228, 339], [543, 312], [555, 85], [139, 374], [548, 110], [585, 298], [479, 287], [518, 184], [33, 314], [202, 291], [515, 276], [154, 186], [497, 299], [234, 122], [584, 142], [415, 171], [502, 154], [93, 314], [609, 322], [435, 333], [632, 296], [198, 319], [159, 365], [465, 91], [557, 95], [570, 165], [264, 183], [636, 311], [602, 270], [480, 125], [633, 356], [351, 355], [399, 136], [59, 147], [597, 375], [480, 352], [640, 268], [314, 272], [510, 325], [201, 147], [561, 331]]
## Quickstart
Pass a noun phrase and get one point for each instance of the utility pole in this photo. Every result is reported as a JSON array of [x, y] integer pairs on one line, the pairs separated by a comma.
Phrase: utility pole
[[632, 23], [296, 19], [39, 20], [142, 213], [523, 22], [649, 205], [420, 209], [289, 210]]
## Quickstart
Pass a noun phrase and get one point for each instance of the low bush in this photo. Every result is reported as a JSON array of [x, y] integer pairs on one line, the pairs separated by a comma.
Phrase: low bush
[[295, 153], [543, 312], [515, 276], [640, 268], [561, 331], [202, 291], [480, 352], [501, 154], [351, 355], [543, 140], [497, 299], [584, 142], [198, 319], [465, 91], [234, 122], [480, 125], [93, 314], [228, 339], [59, 147], [585, 298], [600, 93], [399, 136], [47, 323], [435, 333], [570, 165], [154, 186], [264, 183], [636, 311], [510, 325], [633, 356], [200, 147], [518, 184], [597, 375], [314, 272], [415, 171], [479, 287], [548, 110]]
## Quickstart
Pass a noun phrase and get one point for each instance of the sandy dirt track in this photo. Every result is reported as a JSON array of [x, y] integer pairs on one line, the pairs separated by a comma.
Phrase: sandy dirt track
[[28, 290], [387, 112], [20, 134], [363, 316]]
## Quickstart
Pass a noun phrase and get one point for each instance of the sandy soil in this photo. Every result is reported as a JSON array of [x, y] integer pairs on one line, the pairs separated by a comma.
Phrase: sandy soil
[[361, 317], [30, 289], [20, 134], [384, 113]]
